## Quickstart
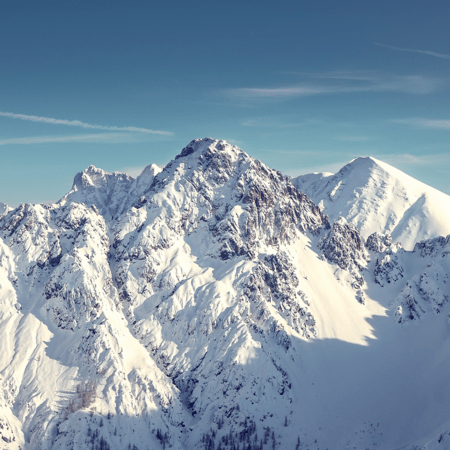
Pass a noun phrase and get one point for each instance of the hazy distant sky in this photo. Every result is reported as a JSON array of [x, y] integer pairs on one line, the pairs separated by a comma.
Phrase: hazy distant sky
[[302, 85]]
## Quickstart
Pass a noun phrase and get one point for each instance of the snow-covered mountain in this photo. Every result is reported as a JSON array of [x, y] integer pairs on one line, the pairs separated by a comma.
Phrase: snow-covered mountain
[[377, 197], [111, 193], [211, 304]]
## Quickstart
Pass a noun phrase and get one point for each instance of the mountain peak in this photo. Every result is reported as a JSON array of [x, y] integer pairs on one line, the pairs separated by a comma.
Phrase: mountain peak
[[93, 169], [145, 179], [366, 161], [94, 186], [377, 197], [92, 176], [362, 164], [202, 146]]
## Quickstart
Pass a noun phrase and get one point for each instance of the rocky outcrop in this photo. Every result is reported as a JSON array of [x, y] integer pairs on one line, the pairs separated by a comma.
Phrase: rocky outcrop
[[427, 291], [344, 246], [388, 268], [379, 243], [433, 247]]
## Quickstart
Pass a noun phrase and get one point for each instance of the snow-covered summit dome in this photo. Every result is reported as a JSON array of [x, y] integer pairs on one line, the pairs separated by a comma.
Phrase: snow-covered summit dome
[[377, 197]]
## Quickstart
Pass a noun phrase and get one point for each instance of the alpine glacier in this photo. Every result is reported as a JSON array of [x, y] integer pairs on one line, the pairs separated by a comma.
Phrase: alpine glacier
[[213, 305]]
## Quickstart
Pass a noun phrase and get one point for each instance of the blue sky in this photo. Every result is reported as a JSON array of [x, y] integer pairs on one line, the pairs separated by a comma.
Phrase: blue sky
[[303, 86]]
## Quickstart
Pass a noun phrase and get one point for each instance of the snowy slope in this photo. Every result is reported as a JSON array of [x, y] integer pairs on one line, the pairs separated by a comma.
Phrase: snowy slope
[[212, 303], [62, 327], [377, 197]]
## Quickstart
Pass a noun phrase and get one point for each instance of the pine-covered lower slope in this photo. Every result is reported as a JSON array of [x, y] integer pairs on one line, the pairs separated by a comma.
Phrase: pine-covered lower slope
[[212, 305]]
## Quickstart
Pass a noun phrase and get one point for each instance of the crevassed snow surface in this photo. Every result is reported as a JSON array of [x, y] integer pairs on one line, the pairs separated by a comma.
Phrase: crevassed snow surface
[[212, 302], [378, 197]]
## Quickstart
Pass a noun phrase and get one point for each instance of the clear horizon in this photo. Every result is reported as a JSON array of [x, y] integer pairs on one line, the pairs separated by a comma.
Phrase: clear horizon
[[301, 87]]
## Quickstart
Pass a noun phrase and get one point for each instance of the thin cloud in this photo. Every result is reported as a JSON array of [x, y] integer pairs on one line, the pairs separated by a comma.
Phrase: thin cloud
[[108, 138], [258, 123], [327, 169], [282, 92], [77, 123], [280, 121], [406, 159], [352, 138], [418, 122], [424, 52], [340, 83], [133, 171], [402, 161]]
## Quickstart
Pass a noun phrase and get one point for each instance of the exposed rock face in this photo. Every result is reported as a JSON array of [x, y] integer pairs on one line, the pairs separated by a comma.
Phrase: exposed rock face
[[427, 291], [388, 268], [433, 247], [275, 281], [344, 246], [379, 243]]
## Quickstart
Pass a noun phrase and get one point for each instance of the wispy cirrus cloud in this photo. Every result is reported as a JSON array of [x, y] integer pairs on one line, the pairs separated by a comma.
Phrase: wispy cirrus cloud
[[402, 161], [265, 123], [133, 171], [107, 138], [408, 160], [424, 52], [280, 122], [331, 168], [418, 122], [352, 138], [431, 168], [340, 82], [78, 123]]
